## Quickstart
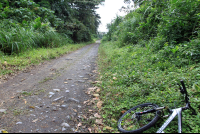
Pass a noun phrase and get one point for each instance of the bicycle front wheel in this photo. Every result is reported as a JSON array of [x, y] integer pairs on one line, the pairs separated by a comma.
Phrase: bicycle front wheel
[[132, 123]]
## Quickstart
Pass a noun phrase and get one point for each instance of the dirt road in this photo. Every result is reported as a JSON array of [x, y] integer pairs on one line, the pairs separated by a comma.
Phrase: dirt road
[[49, 98]]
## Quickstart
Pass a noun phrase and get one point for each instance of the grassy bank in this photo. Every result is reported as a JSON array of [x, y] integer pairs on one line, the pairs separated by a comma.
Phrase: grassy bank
[[10, 64], [132, 75]]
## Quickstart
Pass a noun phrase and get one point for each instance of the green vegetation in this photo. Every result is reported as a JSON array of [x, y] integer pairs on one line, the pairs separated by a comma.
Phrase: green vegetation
[[32, 31], [12, 63], [28, 24], [26, 93], [145, 54]]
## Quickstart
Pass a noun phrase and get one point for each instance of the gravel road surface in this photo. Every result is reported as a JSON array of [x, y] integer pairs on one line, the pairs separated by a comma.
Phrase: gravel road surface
[[49, 97]]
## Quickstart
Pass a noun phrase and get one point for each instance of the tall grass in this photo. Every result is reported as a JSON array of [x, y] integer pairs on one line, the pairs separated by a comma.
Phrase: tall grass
[[15, 38]]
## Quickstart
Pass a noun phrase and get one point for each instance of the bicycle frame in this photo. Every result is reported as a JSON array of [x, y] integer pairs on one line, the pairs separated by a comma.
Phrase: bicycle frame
[[175, 112], [172, 114]]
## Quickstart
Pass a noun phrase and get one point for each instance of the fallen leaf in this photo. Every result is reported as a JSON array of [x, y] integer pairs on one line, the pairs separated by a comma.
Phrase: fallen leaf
[[90, 110], [96, 129], [25, 101], [99, 104], [96, 98], [96, 95], [75, 110], [65, 82], [98, 90], [94, 71], [92, 88], [79, 124], [84, 116], [32, 107], [192, 68], [123, 111], [12, 97], [109, 128], [99, 121], [35, 120], [86, 101], [97, 115], [90, 130], [5, 63], [114, 78], [4, 131]]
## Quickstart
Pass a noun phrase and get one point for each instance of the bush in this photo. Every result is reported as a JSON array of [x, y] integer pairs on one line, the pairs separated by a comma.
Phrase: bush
[[15, 38]]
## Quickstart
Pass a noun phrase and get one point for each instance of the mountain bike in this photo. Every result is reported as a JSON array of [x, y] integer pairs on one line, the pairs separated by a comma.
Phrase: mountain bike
[[144, 116]]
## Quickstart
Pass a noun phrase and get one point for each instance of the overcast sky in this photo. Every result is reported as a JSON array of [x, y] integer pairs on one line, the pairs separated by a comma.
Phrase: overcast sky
[[108, 12]]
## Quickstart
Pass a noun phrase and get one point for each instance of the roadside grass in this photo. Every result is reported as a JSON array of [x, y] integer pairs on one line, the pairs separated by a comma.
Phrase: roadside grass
[[133, 75], [10, 64]]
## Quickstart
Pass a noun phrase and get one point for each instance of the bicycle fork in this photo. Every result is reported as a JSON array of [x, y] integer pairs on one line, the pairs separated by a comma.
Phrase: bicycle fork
[[175, 112]]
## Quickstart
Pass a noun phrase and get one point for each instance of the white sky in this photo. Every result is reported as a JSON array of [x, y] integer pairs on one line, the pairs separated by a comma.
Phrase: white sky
[[108, 12]]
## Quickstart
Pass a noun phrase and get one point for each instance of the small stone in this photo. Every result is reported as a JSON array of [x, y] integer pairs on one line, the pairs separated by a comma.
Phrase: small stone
[[58, 98], [65, 125], [79, 117], [54, 109], [63, 106], [19, 123], [67, 91], [72, 99], [63, 129], [68, 117], [79, 106], [37, 107], [51, 93], [2, 110], [56, 90], [81, 81]]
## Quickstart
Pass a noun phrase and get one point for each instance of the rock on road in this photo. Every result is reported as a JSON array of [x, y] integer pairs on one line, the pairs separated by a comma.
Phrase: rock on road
[[49, 98]]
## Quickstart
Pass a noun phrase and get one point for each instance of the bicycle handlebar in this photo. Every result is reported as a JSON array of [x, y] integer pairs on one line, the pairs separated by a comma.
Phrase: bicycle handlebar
[[184, 91]]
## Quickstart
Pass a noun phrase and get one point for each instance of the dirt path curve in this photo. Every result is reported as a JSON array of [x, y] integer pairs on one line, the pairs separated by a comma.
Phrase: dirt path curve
[[49, 98]]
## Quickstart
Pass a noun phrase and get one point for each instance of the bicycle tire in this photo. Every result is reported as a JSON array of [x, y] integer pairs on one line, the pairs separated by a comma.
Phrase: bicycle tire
[[134, 121]]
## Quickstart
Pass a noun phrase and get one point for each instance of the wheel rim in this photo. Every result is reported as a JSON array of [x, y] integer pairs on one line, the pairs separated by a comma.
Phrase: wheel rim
[[130, 121]]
